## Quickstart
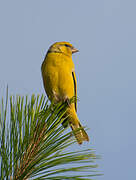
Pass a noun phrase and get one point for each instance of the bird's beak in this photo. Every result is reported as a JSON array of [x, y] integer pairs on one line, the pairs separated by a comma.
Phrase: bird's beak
[[74, 50]]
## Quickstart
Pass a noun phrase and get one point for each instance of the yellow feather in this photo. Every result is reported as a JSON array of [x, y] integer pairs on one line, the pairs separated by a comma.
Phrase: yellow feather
[[59, 80]]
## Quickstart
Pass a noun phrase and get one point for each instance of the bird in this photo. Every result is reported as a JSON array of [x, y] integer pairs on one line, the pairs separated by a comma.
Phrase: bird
[[60, 84]]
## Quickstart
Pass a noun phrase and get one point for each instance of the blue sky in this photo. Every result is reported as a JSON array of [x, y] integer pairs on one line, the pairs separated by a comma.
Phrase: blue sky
[[105, 33]]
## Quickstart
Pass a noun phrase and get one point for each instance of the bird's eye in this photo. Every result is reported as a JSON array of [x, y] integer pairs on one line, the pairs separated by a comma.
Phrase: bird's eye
[[67, 45]]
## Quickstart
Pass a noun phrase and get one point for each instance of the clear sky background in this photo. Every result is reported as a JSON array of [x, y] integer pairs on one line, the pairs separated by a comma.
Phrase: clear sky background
[[105, 33]]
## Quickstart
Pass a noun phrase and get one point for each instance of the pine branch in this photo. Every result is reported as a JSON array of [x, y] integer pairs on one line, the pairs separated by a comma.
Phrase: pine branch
[[33, 142]]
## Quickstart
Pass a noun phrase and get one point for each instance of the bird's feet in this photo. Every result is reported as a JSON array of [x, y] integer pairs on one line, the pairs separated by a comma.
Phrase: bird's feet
[[67, 101]]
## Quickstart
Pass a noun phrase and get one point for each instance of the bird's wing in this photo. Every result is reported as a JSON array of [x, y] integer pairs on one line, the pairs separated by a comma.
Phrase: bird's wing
[[75, 88]]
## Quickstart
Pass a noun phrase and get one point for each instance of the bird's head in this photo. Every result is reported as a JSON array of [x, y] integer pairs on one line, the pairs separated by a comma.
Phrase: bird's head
[[63, 47]]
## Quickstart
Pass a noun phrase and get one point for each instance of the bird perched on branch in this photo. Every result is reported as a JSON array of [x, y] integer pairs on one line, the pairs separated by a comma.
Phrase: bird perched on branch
[[60, 84]]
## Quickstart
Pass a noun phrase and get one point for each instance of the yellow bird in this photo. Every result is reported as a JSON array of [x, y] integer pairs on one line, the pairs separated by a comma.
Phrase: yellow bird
[[59, 81]]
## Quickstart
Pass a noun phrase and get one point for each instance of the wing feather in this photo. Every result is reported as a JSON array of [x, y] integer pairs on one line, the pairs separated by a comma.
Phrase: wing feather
[[75, 88]]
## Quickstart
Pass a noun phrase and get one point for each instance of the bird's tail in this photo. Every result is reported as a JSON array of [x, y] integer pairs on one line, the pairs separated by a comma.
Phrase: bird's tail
[[79, 132]]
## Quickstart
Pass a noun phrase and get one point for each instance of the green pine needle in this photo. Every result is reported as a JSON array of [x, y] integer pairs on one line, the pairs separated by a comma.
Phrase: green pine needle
[[33, 143]]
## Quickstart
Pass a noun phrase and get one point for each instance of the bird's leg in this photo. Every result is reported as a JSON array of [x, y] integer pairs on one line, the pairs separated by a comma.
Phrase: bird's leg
[[56, 97], [66, 122], [66, 100]]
